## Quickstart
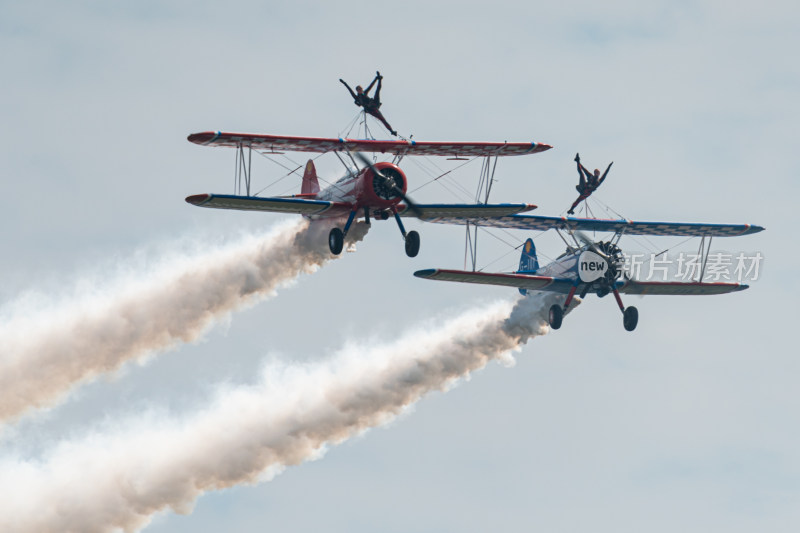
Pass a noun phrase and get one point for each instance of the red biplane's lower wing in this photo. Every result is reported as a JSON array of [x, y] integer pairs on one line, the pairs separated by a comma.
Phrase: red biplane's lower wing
[[273, 205], [626, 227], [288, 143], [462, 213], [521, 281], [680, 288], [444, 213]]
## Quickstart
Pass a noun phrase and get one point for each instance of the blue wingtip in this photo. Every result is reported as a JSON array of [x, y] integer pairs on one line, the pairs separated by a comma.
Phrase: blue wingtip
[[428, 272]]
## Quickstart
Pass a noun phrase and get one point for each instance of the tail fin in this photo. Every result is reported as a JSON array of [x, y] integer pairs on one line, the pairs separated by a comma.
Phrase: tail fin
[[310, 183], [528, 263]]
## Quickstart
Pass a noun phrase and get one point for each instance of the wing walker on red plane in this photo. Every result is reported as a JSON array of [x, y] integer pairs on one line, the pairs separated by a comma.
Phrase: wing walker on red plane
[[374, 191]]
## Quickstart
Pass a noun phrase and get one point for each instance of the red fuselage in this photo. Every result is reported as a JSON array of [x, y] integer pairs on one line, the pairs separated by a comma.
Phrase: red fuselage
[[363, 189]]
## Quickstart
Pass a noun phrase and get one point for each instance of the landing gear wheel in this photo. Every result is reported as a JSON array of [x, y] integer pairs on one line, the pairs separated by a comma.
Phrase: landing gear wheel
[[556, 316], [412, 243], [336, 241], [630, 317]]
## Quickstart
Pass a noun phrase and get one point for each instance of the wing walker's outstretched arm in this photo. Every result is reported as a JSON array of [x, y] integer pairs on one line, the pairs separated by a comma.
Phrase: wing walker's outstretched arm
[[355, 98], [604, 175]]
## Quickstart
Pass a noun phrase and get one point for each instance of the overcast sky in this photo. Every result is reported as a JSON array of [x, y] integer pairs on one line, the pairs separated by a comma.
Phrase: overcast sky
[[689, 423]]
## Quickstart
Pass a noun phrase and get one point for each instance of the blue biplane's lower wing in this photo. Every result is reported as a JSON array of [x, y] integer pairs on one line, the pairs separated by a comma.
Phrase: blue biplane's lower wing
[[626, 227], [564, 285], [521, 281], [680, 288], [254, 203]]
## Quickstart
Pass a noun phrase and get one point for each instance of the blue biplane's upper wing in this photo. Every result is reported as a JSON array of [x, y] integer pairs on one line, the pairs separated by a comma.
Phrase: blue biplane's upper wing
[[274, 205], [521, 281], [627, 227]]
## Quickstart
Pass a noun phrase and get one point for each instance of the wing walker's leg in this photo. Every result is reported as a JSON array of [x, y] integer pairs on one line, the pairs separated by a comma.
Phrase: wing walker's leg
[[569, 296], [349, 222]]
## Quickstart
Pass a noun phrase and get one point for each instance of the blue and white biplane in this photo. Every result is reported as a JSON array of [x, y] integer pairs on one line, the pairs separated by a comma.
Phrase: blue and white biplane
[[595, 267]]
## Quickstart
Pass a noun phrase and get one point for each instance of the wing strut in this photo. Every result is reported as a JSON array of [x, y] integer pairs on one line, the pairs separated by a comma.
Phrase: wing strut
[[242, 171], [704, 257], [485, 182]]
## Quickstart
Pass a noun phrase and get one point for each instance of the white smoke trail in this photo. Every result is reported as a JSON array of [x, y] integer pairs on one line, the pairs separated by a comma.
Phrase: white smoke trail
[[46, 354], [119, 480]]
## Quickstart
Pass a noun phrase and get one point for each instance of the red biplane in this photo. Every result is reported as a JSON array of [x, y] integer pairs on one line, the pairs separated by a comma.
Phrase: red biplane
[[373, 191]]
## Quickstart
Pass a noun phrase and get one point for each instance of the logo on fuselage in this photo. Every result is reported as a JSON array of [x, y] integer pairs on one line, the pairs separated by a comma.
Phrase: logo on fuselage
[[591, 266]]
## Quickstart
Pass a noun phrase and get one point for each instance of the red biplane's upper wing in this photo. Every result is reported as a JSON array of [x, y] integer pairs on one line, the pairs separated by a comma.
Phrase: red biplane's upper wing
[[398, 147], [626, 227]]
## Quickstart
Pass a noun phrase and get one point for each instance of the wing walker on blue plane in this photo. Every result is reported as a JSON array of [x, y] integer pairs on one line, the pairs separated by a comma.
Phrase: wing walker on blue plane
[[379, 190], [590, 267]]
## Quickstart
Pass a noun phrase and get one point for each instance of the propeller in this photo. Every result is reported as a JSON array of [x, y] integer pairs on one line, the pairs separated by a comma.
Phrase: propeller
[[591, 244], [390, 184]]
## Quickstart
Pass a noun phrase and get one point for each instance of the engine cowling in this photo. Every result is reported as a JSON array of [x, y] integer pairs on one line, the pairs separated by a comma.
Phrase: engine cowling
[[601, 264], [377, 190], [616, 261]]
